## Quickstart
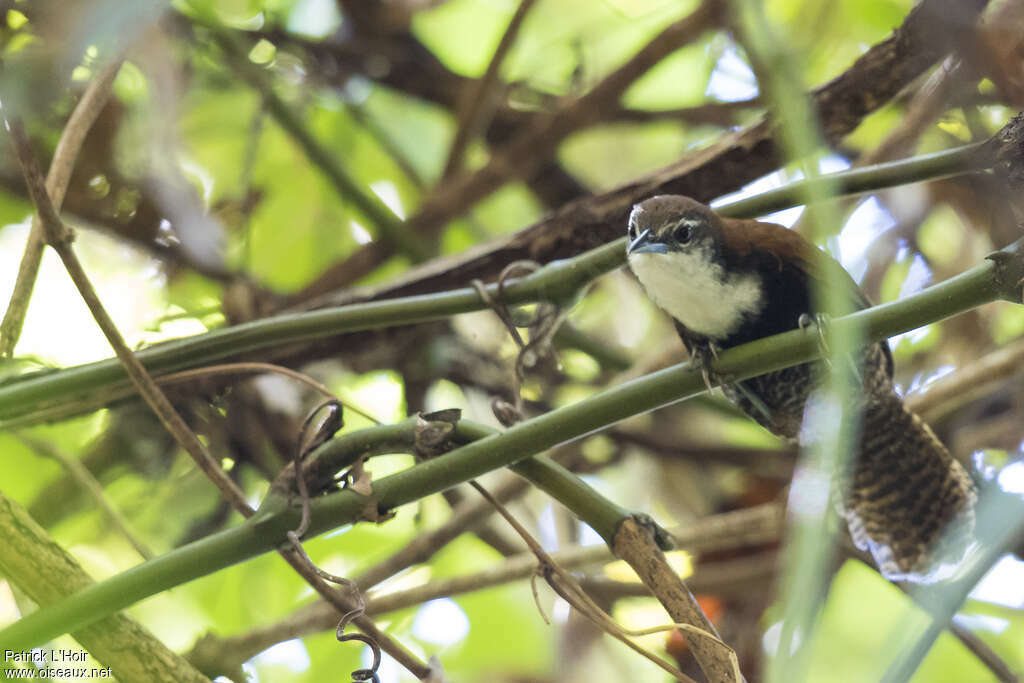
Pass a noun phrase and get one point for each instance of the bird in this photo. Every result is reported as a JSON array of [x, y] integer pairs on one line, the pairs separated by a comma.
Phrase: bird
[[726, 282]]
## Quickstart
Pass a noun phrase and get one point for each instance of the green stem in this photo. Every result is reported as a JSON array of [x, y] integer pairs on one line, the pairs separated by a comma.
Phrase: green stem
[[933, 166], [582, 500], [986, 282], [557, 281]]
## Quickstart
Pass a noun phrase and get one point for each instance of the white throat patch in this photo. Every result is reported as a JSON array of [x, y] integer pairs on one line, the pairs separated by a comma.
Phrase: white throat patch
[[696, 292]]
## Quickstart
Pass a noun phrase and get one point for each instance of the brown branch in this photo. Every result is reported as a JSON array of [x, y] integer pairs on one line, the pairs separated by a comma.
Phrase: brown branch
[[481, 96], [714, 577], [985, 654], [721, 114], [415, 71], [344, 604], [140, 229], [57, 178], [220, 655], [924, 38], [388, 226], [967, 383], [776, 463], [567, 588], [635, 544], [950, 82], [931, 30], [466, 517], [527, 152], [58, 236], [731, 530]]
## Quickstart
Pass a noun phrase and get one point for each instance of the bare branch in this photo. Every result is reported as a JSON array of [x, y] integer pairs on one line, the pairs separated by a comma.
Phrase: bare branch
[[57, 179], [478, 99], [527, 152], [59, 237], [736, 159]]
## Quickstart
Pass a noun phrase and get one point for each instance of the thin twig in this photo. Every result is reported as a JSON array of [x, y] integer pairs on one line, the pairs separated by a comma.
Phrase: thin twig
[[631, 542], [389, 225], [88, 108], [95, 384], [58, 236], [872, 80], [533, 146], [346, 605], [723, 532], [967, 382], [715, 577], [478, 100], [253, 366], [710, 113], [569, 590], [386, 143], [252, 149], [85, 479], [464, 518], [985, 654]]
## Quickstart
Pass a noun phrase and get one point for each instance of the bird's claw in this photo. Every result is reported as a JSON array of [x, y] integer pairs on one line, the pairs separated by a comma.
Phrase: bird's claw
[[821, 323], [702, 357]]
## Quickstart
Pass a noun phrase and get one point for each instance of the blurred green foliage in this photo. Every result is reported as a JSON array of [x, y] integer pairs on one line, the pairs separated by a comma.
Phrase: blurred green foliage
[[300, 226]]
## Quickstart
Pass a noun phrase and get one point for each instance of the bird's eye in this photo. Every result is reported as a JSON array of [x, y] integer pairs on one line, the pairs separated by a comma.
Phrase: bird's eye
[[631, 231], [683, 231]]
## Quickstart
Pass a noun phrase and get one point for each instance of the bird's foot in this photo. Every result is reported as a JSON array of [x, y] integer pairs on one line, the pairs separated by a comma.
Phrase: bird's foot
[[702, 358], [821, 323]]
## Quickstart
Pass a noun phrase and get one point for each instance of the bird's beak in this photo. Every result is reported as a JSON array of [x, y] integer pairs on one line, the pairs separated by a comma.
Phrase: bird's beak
[[645, 244]]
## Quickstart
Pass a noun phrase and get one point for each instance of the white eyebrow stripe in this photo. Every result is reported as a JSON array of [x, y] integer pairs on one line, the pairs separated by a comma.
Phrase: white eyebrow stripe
[[691, 223]]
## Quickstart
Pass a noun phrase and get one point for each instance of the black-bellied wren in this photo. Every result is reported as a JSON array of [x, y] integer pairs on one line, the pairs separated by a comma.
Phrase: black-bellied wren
[[726, 282]]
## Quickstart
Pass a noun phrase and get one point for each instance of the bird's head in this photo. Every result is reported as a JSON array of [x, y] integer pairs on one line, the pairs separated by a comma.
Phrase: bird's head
[[677, 249], [669, 224]]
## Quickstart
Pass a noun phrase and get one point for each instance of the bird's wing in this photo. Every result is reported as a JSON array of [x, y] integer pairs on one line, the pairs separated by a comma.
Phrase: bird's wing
[[811, 263]]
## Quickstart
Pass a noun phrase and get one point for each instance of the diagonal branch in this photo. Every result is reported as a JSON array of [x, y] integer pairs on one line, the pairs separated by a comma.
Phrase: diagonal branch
[[57, 179], [478, 98], [728, 531], [927, 34], [392, 231], [530, 149], [57, 235]]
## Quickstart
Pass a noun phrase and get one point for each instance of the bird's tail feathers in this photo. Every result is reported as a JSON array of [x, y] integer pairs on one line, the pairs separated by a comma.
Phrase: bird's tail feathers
[[908, 501]]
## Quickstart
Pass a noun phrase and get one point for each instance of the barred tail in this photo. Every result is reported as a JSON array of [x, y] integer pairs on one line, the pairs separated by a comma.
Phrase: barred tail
[[905, 492]]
